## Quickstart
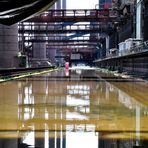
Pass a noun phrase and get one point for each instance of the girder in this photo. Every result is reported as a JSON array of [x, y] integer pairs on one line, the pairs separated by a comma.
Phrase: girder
[[60, 28], [76, 16], [63, 41], [71, 50], [71, 44], [42, 28]]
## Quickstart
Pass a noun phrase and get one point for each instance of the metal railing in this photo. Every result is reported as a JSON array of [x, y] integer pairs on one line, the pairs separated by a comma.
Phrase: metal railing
[[139, 48]]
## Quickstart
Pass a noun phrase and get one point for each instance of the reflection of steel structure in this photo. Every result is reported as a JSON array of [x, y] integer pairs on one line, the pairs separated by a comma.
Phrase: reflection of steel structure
[[43, 107]]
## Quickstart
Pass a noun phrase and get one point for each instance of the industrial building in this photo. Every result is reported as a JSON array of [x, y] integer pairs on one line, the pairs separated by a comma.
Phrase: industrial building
[[72, 78], [117, 30]]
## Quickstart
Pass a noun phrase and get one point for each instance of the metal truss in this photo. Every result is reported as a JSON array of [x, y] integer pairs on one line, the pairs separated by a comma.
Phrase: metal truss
[[68, 29], [98, 15]]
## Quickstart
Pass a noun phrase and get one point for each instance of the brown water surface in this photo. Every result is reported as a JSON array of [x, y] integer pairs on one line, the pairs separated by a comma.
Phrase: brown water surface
[[73, 110]]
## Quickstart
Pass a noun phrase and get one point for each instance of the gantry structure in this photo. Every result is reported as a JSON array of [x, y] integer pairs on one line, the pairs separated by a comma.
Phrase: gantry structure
[[69, 31]]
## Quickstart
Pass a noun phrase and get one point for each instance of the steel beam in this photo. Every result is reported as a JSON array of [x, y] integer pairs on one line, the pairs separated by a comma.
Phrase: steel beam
[[76, 16], [62, 41]]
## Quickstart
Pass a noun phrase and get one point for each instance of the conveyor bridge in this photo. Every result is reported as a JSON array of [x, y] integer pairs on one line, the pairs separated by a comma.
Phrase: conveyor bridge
[[87, 15]]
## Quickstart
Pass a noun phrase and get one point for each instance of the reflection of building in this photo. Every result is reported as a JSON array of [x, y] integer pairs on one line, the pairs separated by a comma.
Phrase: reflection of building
[[114, 143], [48, 110], [40, 108], [8, 113], [52, 108]]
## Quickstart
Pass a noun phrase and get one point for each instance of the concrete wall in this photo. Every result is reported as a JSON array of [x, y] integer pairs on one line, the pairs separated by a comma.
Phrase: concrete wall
[[132, 65], [8, 46], [51, 55], [39, 51]]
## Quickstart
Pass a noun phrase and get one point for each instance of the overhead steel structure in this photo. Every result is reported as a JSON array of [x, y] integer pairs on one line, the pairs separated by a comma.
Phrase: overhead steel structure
[[89, 15], [41, 28], [49, 27]]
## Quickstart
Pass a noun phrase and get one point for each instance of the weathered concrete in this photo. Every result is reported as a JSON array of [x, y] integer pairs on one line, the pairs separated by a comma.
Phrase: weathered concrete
[[136, 64], [39, 52], [8, 46]]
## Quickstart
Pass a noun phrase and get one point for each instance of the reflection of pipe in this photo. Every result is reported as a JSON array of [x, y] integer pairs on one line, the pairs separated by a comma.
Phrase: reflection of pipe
[[137, 125], [67, 72]]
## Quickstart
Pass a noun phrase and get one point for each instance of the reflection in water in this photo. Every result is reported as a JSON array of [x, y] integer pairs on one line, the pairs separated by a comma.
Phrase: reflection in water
[[77, 110]]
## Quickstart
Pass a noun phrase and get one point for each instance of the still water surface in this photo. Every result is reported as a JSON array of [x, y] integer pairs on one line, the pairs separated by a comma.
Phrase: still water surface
[[76, 109]]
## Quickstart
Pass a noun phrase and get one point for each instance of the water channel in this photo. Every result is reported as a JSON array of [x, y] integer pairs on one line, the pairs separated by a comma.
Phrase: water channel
[[74, 109]]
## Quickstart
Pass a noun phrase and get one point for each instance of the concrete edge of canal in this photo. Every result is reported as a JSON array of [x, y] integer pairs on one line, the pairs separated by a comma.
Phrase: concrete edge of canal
[[13, 74]]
